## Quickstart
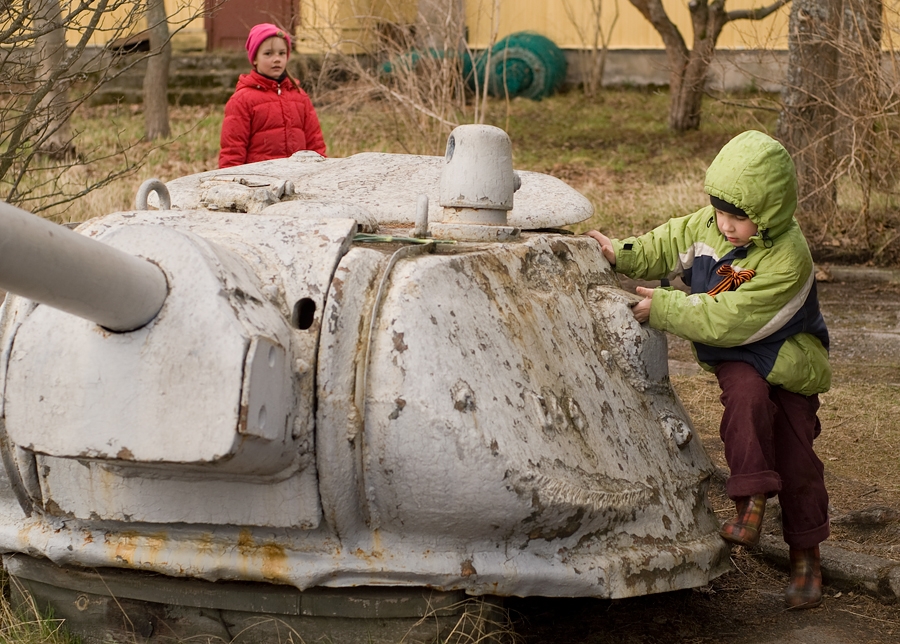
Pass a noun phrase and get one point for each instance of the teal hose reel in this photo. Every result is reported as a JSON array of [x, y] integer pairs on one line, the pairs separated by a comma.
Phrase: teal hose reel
[[522, 64]]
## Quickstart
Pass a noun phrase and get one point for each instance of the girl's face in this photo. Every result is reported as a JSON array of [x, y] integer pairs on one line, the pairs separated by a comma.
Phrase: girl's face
[[737, 230], [271, 57]]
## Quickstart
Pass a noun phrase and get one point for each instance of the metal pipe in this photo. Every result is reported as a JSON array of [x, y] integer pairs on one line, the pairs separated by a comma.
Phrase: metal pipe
[[421, 229], [52, 265]]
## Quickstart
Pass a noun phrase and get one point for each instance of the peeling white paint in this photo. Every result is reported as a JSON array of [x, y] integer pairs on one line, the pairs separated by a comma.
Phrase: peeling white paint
[[387, 186], [485, 415]]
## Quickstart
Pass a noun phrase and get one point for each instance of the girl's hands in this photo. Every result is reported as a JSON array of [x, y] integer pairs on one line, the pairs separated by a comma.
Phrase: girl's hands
[[641, 310], [605, 245]]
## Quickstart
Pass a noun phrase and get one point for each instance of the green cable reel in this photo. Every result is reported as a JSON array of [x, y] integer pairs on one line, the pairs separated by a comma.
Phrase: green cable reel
[[522, 64]]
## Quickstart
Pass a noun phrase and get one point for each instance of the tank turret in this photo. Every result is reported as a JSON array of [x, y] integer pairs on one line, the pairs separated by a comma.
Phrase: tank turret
[[311, 376]]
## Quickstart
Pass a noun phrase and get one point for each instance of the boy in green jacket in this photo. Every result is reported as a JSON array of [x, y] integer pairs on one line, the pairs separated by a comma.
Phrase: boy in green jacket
[[753, 318]]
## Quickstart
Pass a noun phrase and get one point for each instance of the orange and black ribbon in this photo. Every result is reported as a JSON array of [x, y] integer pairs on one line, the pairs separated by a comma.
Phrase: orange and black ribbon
[[732, 279]]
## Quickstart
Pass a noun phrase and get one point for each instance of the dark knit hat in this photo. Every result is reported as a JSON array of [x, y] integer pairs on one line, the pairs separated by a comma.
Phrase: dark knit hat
[[724, 206], [260, 33]]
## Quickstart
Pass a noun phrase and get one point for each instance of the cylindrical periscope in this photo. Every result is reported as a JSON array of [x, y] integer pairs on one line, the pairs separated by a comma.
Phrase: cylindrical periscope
[[52, 265], [478, 170]]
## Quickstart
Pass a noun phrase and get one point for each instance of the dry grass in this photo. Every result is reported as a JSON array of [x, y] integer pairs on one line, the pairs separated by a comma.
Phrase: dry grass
[[26, 624], [858, 445], [863, 436], [614, 148], [475, 620], [115, 132]]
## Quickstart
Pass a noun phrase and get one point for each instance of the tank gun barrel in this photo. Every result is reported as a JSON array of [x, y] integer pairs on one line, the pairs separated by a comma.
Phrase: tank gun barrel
[[55, 266]]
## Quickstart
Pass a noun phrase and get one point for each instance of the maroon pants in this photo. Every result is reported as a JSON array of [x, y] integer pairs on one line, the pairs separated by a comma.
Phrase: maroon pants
[[768, 434]]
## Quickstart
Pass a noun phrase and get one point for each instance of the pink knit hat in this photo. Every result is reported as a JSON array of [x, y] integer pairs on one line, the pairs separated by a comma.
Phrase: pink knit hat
[[260, 33]]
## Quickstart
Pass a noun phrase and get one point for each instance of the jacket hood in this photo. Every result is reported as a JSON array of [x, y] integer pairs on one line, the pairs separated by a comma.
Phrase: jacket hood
[[754, 172]]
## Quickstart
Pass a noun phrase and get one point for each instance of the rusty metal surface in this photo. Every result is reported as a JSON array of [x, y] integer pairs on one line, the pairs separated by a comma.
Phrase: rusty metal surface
[[107, 605], [478, 416], [507, 443]]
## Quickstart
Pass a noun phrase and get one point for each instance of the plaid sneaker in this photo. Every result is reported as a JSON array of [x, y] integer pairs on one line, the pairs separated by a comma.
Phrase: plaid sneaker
[[805, 587], [743, 529]]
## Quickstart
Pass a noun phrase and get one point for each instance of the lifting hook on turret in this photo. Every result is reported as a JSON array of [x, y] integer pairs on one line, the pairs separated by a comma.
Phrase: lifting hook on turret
[[157, 186]]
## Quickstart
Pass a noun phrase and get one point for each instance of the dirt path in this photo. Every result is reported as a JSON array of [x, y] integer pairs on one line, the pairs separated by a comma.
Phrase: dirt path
[[862, 308]]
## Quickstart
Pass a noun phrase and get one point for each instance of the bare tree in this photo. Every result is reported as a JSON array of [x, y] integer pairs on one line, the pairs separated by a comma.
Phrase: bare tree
[[50, 52], [43, 80], [688, 67], [37, 69], [412, 69], [839, 121], [864, 101], [860, 82], [594, 40], [807, 123], [156, 79]]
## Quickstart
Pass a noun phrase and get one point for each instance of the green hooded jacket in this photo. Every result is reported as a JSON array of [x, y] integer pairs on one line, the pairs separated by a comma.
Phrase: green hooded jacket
[[772, 320]]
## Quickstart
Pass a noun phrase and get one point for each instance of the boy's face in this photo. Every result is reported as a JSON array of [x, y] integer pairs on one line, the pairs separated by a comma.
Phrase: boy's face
[[271, 57], [737, 229]]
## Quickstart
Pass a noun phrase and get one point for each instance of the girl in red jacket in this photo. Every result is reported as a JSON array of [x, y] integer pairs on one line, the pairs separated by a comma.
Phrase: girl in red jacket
[[268, 116]]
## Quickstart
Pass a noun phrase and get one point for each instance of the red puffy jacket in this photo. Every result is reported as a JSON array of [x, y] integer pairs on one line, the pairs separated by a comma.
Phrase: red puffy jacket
[[266, 119]]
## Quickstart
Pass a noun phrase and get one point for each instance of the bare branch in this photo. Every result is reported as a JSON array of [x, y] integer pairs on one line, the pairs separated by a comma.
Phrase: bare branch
[[654, 12], [758, 13], [36, 106]]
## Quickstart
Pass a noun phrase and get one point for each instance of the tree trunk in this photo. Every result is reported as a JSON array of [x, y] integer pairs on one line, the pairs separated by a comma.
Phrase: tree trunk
[[677, 53], [156, 79], [685, 103], [688, 68], [807, 122], [686, 100], [860, 79], [53, 133]]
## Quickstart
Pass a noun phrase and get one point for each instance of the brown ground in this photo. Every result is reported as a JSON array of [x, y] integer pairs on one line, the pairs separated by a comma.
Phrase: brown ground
[[860, 445]]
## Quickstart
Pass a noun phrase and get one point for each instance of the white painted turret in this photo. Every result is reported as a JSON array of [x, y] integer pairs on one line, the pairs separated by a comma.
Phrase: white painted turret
[[310, 406]]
